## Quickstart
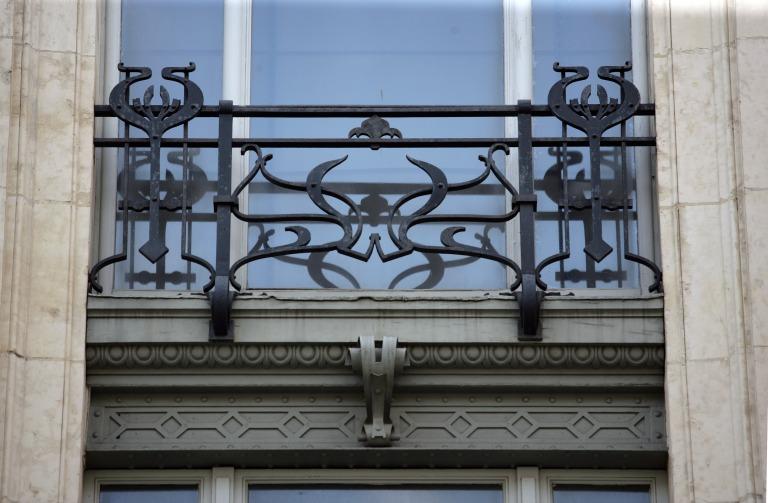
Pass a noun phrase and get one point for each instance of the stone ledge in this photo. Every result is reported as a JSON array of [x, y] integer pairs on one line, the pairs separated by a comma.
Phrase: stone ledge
[[341, 317]]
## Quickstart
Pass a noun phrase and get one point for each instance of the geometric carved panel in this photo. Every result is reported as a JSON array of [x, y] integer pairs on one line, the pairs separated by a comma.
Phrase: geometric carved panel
[[220, 421]]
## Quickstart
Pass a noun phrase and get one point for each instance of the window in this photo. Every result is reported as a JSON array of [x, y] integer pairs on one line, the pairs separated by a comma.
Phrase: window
[[602, 486], [453, 52], [147, 486], [139, 493], [522, 485], [373, 494]]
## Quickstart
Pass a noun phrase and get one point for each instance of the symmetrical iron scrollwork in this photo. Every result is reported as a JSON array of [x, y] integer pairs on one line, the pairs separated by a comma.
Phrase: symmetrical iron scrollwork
[[160, 196]]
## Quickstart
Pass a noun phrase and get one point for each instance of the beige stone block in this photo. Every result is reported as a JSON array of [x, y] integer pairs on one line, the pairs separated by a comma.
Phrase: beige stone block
[[87, 27], [79, 296], [12, 374], [16, 264], [702, 150], [75, 410], [666, 169], [55, 119], [706, 280], [692, 23], [658, 28], [84, 132], [674, 322], [678, 438], [51, 281], [42, 435], [57, 25], [716, 467], [759, 407], [753, 111], [6, 18], [751, 18], [6, 56], [754, 208]]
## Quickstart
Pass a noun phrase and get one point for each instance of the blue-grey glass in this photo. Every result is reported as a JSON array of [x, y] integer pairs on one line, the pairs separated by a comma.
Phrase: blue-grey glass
[[589, 33], [403, 494], [159, 34], [601, 494], [148, 494], [378, 53]]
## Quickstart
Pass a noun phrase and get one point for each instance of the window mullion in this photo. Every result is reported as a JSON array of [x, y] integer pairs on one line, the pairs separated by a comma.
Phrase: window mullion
[[236, 87], [644, 181], [223, 490], [106, 159], [528, 485], [518, 85]]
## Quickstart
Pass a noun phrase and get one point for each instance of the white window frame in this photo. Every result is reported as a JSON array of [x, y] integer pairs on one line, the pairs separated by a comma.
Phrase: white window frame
[[518, 55], [94, 480], [656, 480], [520, 485]]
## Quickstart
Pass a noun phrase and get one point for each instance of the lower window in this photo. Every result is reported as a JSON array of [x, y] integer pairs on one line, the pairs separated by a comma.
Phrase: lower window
[[226, 485]]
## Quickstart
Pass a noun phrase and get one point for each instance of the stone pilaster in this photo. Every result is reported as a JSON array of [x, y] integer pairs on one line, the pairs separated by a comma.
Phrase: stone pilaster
[[47, 79], [710, 174]]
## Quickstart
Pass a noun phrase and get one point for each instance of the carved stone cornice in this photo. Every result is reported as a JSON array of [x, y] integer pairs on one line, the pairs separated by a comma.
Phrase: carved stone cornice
[[335, 356]]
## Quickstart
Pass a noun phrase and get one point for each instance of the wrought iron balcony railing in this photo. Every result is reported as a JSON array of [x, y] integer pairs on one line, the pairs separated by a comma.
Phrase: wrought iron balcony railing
[[595, 199]]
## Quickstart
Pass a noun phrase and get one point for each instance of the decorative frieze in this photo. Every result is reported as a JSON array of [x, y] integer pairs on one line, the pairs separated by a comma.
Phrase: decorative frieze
[[329, 356], [264, 422]]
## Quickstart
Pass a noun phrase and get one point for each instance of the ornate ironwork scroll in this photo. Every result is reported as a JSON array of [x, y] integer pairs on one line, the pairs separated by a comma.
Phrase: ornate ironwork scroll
[[595, 121], [154, 121], [420, 204]]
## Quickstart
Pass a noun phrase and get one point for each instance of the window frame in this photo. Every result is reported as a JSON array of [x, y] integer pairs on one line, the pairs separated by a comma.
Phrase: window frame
[[518, 84], [656, 480], [518, 485], [95, 479]]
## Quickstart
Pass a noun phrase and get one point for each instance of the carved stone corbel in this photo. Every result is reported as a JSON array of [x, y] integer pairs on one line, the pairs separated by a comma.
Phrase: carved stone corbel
[[378, 367]]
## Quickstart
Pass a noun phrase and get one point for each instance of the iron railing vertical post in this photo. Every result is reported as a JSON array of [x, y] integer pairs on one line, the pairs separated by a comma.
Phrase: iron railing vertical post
[[221, 296], [530, 297]]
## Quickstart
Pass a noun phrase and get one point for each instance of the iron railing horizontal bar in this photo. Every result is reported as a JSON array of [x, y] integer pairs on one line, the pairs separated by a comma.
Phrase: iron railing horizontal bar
[[555, 141], [325, 111]]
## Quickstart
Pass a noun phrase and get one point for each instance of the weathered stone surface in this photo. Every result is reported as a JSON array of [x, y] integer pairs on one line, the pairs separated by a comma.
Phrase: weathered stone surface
[[47, 80], [711, 133]]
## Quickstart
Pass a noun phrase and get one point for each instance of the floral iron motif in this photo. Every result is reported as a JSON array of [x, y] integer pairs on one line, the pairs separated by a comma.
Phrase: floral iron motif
[[375, 128], [155, 122], [594, 121]]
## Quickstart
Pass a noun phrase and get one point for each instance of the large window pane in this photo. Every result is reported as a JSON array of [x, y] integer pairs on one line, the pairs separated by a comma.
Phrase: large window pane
[[148, 494], [347, 494], [601, 494], [380, 53]]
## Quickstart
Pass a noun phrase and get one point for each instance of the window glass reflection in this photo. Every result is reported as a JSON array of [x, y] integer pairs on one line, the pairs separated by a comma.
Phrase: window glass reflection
[[148, 494], [601, 494], [347, 494], [394, 52]]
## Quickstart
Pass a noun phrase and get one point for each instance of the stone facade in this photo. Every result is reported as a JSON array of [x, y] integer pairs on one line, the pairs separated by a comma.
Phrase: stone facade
[[710, 121], [47, 75], [707, 65]]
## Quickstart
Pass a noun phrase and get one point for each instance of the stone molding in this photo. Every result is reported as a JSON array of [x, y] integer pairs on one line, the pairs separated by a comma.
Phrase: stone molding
[[265, 422], [430, 318], [336, 356]]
